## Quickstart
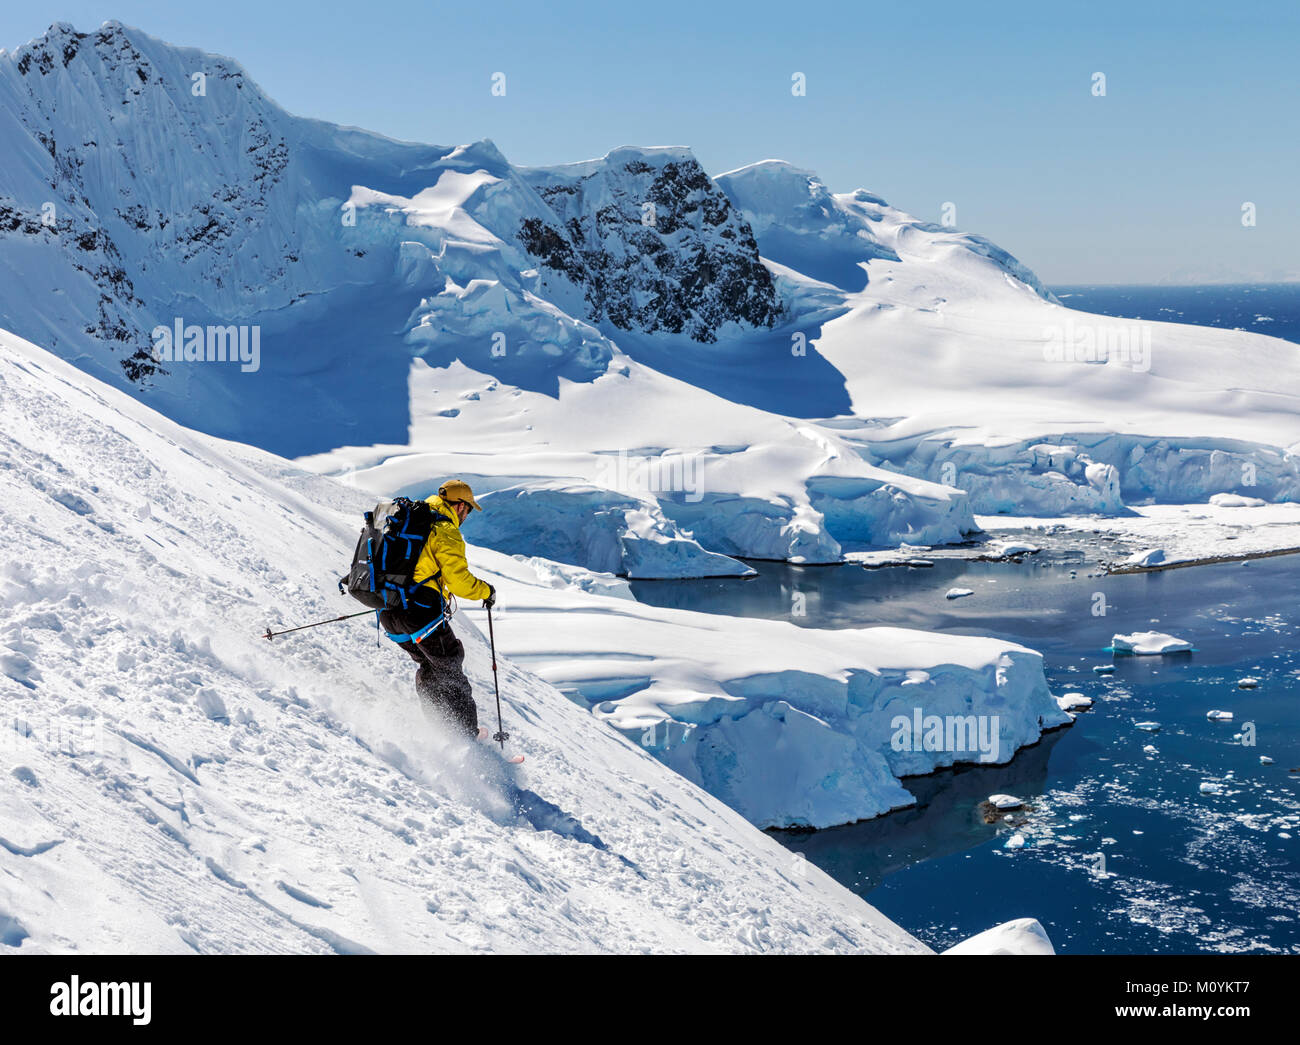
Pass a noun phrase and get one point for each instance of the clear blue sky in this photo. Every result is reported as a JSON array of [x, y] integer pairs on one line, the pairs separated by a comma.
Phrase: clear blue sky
[[986, 105]]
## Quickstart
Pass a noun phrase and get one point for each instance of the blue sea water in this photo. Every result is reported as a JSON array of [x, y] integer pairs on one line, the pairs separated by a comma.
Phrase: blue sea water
[[1123, 852], [1261, 308]]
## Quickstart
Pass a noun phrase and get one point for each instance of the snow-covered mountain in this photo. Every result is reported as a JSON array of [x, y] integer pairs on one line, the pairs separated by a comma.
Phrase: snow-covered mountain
[[831, 237], [156, 187], [646, 372], [829, 370], [152, 180], [963, 368], [174, 783]]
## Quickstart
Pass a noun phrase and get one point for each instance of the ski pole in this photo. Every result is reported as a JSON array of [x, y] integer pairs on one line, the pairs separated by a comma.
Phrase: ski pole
[[272, 634], [502, 736]]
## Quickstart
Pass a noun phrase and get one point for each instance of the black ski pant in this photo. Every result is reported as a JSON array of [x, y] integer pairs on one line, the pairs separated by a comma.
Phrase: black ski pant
[[440, 679]]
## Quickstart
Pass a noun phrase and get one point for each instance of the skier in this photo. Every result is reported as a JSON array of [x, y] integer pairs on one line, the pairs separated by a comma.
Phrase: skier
[[440, 679]]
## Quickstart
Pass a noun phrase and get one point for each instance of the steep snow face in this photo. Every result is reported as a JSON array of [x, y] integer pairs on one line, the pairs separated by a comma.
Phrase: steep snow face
[[175, 783], [802, 225], [653, 243], [196, 201], [151, 177], [482, 298]]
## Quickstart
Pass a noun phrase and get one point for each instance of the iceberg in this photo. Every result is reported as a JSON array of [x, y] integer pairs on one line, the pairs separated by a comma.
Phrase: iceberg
[[1022, 936], [1149, 643]]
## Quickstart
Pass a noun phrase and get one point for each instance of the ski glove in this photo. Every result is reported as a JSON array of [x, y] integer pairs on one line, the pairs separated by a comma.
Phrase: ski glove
[[491, 600]]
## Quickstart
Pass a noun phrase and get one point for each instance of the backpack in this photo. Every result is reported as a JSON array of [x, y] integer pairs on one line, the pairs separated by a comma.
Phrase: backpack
[[383, 564]]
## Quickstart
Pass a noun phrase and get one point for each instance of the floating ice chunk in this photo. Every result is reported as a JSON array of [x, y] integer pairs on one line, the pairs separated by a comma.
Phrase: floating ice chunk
[[1150, 749], [1236, 500], [1104, 669], [1149, 643], [1011, 549], [1016, 841], [1219, 716], [890, 557], [1150, 727], [1005, 801], [1023, 936], [957, 593], [1209, 787], [1149, 557], [1073, 702], [1247, 683], [1264, 760]]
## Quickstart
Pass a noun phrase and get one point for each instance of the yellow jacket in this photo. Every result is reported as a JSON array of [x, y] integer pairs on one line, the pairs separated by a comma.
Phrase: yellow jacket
[[445, 551]]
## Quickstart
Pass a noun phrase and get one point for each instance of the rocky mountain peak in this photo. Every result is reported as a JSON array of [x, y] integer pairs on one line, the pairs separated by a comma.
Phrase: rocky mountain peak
[[654, 244]]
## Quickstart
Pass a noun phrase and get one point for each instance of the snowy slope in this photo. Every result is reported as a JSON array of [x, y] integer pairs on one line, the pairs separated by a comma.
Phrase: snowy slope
[[180, 784], [739, 480], [831, 237], [962, 368], [163, 192]]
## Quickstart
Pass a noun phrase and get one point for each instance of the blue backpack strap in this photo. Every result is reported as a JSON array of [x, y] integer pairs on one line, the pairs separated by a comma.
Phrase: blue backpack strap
[[422, 633]]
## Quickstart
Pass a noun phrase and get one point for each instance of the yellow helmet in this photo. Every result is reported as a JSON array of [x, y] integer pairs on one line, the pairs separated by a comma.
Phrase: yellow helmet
[[458, 490]]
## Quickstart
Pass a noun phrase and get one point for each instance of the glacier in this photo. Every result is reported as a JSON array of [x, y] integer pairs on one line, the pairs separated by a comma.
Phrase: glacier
[[793, 727]]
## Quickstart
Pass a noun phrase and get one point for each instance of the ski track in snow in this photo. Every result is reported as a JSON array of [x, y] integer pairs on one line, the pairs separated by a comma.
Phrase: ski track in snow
[[174, 783]]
